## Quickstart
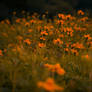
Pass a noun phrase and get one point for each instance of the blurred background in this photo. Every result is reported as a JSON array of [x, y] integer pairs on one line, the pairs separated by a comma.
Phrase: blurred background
[[40, 6]]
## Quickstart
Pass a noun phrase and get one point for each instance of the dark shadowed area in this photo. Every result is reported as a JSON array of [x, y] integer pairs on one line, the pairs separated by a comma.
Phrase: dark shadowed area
[[40, 6]]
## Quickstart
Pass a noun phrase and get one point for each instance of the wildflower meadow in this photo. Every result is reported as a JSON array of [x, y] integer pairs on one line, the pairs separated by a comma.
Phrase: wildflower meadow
[[44, 55]]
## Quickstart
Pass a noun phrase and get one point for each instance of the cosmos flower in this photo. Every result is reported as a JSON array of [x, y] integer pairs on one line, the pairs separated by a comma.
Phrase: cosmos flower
[[80, 12], [49, 85], [27, 41], [55, 68]]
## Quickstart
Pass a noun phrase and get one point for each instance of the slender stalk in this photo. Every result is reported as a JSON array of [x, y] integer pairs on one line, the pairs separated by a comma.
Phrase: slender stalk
[[14, 82]]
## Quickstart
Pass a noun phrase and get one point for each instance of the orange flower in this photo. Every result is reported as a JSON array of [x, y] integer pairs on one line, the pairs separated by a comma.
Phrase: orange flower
[[41, 45], [80, 12], [62, 16], [60, 22], [78, 45], [50, 32], [57, 41], [71, 34], [44, 33], [61, 35], [87, 57], [1, 54], [64, 29], [72, 23], [20, 49], [18, 20], [67, 44], [77, 28], [55, 68], [50, 67], [84, 19], [74, 51], [87, 36], [49, 85], [42, 38], [46, 28], [69, 17], [7, 21], [66, 49], [32, 21], [27, 24], [69, 29], [27, 41], [59, 70]]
